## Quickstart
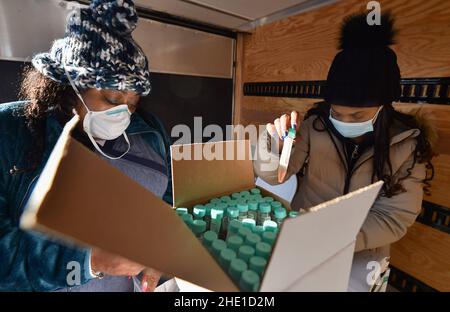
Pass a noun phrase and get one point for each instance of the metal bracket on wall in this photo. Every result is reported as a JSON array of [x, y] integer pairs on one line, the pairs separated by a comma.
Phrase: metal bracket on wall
[[413, 90]]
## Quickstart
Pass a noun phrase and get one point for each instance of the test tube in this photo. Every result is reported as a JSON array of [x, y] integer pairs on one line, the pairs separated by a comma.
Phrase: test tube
[[225, 199], [243, 211], [188, 219], [233, 227], [293, 214], [269, 237], [232, 214], [207, 217], [181, 211], [237, 267], [268, 199], [236, 196], [249, 223], [216, 220], [217, 246], [255, 191], [235, 242], [252, 239], [215, 201], [248, 280], [199, 212], [244, 193], [198, 227], [253, 209], [279, 214], [270, 226], [263, 250], [208, 238], [258, 264], [243, 232], [264, 213], [245, 252], [259, 229], [226, 256]]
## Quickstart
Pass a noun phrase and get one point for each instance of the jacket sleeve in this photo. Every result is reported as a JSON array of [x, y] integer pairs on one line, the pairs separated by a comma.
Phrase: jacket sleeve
[[267, 160], [389, 218], [30, 262]]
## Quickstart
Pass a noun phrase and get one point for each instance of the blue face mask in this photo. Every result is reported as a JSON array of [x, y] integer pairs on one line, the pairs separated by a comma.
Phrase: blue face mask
[[354, 129]]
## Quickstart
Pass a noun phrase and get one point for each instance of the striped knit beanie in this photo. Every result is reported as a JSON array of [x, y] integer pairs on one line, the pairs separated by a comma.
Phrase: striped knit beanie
[[98, 50]]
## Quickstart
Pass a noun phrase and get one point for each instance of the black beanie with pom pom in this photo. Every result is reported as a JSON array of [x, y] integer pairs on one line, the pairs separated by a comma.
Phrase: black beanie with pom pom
[[365, 72]]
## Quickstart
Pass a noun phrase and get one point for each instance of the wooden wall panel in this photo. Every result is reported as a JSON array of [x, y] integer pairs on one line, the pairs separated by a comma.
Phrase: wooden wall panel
[[425, 254]]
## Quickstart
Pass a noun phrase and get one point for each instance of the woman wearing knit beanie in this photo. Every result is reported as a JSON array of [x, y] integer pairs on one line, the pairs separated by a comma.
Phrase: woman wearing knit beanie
[[99, 72], [356, 137]]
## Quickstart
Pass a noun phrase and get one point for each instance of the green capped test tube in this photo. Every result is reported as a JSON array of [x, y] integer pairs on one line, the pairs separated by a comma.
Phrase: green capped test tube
[[264, 213], [280, 214], [233, 227], [181, 211], [252, 209], [243, 232], [217, 246], [225, 199], [243, 210], [234, 242], [215, 201], [268, 199], [269, 237], [255, 191], [207, 217], [248, 280], [188, 219], [208, 238], [258, 264], [263, 250], [270, 226], [245, 252], [236, 196], [199, 212], [249, 223], [216, 220], [293, 214], [231, 214], [259, 229], [198, 227], [237, 267], [226, 256], [252, 239]]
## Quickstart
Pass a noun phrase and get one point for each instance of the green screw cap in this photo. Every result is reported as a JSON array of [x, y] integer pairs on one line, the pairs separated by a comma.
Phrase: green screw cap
[[215, 201], [293, 214], [252, 239], [216, 214], [237, 267], [232, 202], [236, 195], [244, 193], [276, 204], [252, 205], [242, 207], [181, 211], [198, 226], [208, 207], [259, 229], [233, 212], [243, 231], [263, 250], [255, 191], [265, 207], [199, 211], [234, 242], [269, 237], [268, 199], [226, 256], [257, 264], [249, 223], [270, 226], [234, 226], [209, 237], [246, 252], [248, 280], [218, 245], [280, 213], [225, 199]]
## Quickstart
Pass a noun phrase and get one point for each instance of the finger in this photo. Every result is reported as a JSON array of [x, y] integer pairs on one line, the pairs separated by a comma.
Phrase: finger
[[285, 124], [271, 130], [278, 128], [294, 119]]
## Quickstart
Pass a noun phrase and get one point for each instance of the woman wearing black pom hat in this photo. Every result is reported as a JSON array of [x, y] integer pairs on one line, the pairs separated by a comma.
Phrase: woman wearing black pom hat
[[356, 137], [99, 71]]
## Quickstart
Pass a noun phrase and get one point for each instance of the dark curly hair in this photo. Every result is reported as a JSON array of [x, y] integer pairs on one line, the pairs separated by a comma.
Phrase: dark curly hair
[[44, 97], [382, 167]]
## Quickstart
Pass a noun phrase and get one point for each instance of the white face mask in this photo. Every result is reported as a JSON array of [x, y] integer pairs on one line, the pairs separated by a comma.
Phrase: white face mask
[[105, 125], [354, 129]]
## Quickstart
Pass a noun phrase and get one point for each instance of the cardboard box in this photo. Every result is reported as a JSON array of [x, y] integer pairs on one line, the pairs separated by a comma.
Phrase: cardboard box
[[81, 198]]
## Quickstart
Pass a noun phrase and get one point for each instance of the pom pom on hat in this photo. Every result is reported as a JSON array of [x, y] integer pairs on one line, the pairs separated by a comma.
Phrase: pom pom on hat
[[118, 15]]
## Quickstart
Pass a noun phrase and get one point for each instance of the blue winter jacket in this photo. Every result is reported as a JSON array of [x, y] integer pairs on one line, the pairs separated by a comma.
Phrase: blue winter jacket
[[30, 261]]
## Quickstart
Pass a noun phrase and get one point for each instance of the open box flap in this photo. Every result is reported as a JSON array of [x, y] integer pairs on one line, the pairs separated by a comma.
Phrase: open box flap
[[83, 198], [196, 180], [309, 240]]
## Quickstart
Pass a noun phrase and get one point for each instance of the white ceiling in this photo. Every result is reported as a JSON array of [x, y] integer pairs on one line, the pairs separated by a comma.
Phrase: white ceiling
[[231, 14]]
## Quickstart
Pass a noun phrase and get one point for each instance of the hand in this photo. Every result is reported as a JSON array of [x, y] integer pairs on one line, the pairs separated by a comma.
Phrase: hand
[[281, 125], [150, 279], [109, 264]]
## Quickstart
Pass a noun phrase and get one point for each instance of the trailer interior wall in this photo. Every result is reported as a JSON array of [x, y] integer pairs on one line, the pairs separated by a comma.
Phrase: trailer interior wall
[[302, 48]]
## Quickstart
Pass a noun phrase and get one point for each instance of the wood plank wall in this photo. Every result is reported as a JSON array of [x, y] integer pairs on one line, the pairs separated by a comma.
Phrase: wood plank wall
[[302, 48]]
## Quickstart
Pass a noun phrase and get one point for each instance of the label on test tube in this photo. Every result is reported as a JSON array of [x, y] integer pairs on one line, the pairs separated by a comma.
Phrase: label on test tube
[[285, 155]]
